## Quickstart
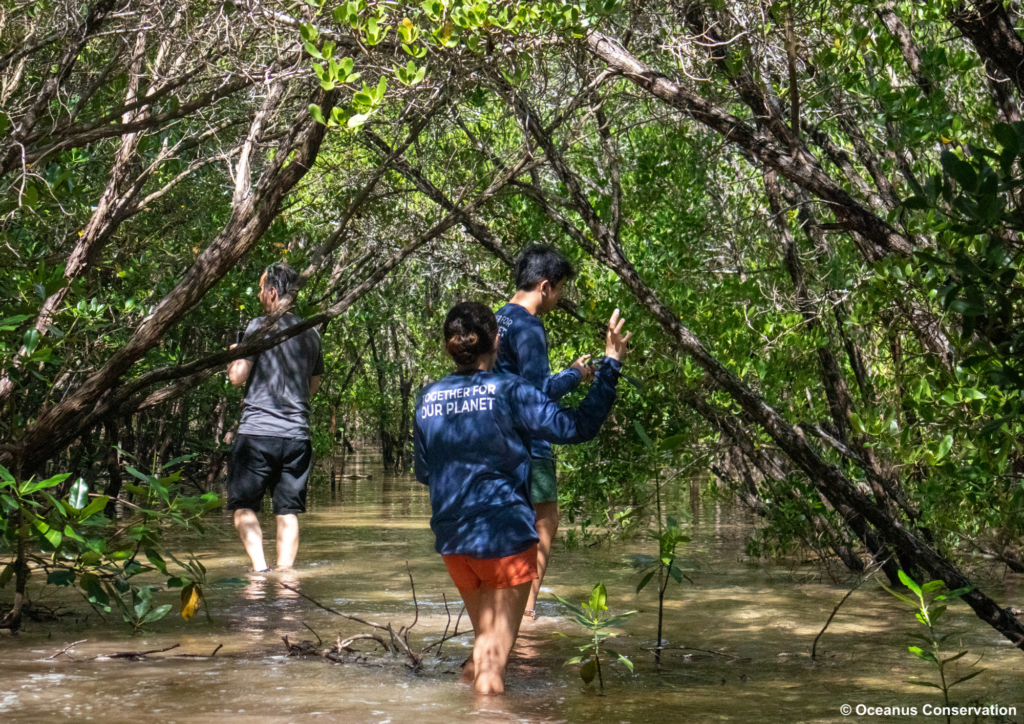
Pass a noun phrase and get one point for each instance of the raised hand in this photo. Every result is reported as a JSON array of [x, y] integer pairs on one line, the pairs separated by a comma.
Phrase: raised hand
[[583, 368], [615, 345]]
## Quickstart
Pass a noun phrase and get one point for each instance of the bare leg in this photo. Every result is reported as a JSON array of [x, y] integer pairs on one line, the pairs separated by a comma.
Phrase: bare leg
[[287, 540], [249, 530], [500, 611], [472, 601], [547, 528]]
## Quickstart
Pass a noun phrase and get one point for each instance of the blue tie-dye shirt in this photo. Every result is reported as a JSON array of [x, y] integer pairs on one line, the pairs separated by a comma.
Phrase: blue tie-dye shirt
[[472, 449], [523, 351]]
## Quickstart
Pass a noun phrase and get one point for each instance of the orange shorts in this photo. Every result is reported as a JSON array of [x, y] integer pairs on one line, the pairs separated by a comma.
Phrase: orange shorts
[[468, 574]]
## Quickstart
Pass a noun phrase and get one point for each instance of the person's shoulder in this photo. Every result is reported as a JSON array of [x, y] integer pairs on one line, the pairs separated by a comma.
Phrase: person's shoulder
[[254, 324], [519, 316], [435, 385], [506, 382]]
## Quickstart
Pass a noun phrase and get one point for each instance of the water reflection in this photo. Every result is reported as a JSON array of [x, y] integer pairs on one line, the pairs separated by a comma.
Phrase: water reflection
[[740, 637]]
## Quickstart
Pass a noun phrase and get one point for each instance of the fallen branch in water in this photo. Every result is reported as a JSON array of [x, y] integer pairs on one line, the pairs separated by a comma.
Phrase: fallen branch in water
[[455, 633], [133, 655], [199, 656], [398, 641], [66, 649]]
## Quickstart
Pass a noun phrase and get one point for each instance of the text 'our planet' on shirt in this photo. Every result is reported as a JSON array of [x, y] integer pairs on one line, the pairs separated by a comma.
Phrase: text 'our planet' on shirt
[[451, 402]]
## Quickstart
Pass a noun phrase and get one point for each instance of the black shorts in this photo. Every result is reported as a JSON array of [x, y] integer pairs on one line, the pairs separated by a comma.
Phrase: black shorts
[[279, 464]]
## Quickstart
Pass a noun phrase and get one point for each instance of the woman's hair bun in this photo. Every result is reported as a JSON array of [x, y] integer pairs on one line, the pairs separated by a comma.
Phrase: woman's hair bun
[[469, 332]]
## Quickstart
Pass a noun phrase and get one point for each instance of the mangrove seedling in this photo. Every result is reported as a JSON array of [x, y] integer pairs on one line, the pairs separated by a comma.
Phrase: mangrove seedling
[[592, 616], [668, 534], [136, 605], [666, 568], [928, 609]]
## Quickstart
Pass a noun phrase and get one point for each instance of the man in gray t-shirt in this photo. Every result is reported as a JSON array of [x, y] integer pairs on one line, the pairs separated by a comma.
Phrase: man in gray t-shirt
[[272, 450]]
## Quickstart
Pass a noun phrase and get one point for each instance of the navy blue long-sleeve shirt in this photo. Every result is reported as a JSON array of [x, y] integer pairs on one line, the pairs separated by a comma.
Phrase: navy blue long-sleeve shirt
[[523, 351], [472, 449]]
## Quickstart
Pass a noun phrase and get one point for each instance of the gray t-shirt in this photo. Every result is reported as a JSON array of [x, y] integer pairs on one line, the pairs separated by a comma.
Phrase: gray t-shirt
[[277, 401]]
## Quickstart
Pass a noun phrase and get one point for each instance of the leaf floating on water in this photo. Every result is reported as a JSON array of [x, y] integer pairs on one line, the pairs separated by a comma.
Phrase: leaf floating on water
[[189, 601]]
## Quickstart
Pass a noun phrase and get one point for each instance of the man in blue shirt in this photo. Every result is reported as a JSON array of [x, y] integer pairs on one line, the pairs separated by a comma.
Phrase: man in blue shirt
[[541, 276]]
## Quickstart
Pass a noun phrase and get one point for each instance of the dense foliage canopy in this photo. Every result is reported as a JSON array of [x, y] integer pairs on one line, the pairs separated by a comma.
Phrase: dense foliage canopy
[[808, 210]]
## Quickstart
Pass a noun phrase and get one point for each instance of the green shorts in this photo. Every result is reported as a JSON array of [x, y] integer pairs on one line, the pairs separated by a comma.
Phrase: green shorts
[[543, 485]]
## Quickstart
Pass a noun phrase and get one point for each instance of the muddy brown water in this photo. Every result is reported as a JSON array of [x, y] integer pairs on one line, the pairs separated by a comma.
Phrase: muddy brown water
[[741, 637]]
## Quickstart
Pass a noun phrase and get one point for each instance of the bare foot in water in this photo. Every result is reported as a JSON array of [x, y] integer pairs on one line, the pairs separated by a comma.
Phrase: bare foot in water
[[468, 672]]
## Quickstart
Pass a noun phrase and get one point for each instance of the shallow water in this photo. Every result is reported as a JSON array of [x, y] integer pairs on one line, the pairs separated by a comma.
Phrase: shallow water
[[741, 637]]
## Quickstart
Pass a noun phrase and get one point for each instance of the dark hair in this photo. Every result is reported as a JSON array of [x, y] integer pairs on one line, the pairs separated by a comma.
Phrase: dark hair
[[469, 331], [537, 263], [281, 277]]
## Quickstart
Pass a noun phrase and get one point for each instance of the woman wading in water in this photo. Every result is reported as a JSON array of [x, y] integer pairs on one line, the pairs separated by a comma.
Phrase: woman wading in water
[[472, 441]]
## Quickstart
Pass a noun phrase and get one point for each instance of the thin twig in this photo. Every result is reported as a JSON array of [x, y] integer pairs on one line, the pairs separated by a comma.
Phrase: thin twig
[[319, 641], [395, 639], [349, 616], [814, 646], [344, 644], [66, 649], [133, 655], [199, 656], [449, 623], [456, 633], [415, 603]]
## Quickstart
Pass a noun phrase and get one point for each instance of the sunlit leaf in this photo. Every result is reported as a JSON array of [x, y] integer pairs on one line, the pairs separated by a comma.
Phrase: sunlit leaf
[[190, 599]]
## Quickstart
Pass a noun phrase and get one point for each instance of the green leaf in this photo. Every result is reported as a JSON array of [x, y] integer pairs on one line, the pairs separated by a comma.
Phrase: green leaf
[[34, 486], [954, 657], [671, 443], [317, 114], [312, 50], [598, 598], [944, 447], [52, 536], [589, 671], [357, 120], [79, 495], [309, 32], [157, 613], [573, 660], [90, 583], [642, 433], [968, 677], [960, 171], [627, 662], [157, 560], [137, 474], [94, 507], [1007, 137], [932, 586], [571, 607], [922, 654], [6, 575], [901, 597], [926, 683], [644, 581], [909, 582], [615, 620]]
